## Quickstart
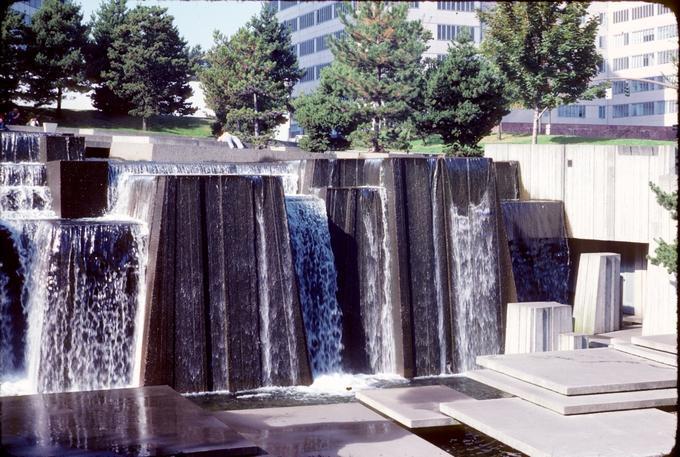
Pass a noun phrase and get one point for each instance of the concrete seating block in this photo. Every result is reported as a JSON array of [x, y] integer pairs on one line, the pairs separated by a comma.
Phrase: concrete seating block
[[570, 341], [597, 303], [535, 326]]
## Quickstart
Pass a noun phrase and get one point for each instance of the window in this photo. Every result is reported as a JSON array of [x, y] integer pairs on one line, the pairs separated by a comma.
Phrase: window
[[340, 7], [600, 42], [413, 5], [602, 112], [660, 107], [319, 68], [620, 40], [307, 20], [322, 43], [273, 4], [642, 109], [308, 75], [602, 66], [339, 35], [324, 14], [602, 18], [456, 6], [642, 60], [620, 63], [446, 32], [661, 9], [620, 111], [642, 11], [666, 56], [307, 47], [571, 111], [618, 87], [286, 4], [642, 36], [291, 24], [294, 50], [667, 31], [620, 16]]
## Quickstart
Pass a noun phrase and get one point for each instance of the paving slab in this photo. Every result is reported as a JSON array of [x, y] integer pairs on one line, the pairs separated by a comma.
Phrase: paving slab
[[585, 371], [666, 343], [413, 407], [539, 432], [575, 404], [621, 336], [151, 421], [347, 429], [651, 354]]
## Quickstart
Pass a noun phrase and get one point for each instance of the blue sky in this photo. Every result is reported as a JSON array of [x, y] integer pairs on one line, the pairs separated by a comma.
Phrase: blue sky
[[196, 19]]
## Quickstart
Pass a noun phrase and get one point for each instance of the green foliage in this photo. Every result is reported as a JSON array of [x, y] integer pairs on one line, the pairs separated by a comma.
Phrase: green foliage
[[55, 47], [380, 68], [546, 50], [666, 254], [249, 78], [463, 150], [104, 25], [465, 98], [150, 65], [12, 56]]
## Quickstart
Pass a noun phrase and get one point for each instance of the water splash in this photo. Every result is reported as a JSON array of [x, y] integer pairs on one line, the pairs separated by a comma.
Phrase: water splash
[[316, 275]]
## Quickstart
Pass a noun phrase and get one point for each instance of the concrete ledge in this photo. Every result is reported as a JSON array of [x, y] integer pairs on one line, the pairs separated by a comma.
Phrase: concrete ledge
[[538, 432], [575, 404], [646, 353], [666, 343], [413, 407]]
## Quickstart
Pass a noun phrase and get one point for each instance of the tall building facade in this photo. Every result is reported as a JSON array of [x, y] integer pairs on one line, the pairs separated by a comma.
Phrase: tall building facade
[[637, 40], [27, 7]]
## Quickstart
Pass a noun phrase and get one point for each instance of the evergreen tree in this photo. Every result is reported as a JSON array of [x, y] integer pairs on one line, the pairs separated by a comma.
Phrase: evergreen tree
[[465, 98], [666, 254], [12, 59], [546, 50], [55, 52], [150, 64], [109, 18], [249, 78], [382, 52]]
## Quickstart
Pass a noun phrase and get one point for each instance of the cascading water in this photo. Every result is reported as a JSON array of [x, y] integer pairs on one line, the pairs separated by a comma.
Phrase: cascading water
[[23, 191], [316, 275], [19, 146]]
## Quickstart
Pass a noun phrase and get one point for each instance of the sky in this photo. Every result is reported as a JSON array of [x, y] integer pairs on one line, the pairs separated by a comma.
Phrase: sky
[[196, 19]]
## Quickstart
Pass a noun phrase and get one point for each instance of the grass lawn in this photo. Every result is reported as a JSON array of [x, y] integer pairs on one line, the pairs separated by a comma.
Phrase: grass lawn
[[434, 144], [171, 125]]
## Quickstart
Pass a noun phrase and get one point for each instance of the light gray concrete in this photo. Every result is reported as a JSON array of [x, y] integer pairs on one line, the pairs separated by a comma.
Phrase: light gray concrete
[[413, 407], [587, 371], [570, 341], [535, 326], [597, 302], [539, 432], [666, 343], [621, 336], [347, 429], [652, 354], [575, 404]]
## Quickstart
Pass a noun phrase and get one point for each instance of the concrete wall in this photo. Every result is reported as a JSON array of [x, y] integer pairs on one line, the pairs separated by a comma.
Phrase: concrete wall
[[606, 195]]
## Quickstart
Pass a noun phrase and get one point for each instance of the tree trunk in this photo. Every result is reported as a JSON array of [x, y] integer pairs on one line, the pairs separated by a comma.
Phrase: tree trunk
[[256, 122], [534, 128], [59, 101], [375, 142], [144, 123], [500, 130]]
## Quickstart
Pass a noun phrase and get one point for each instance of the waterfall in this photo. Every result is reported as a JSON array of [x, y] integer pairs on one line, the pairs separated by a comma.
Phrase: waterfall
[[20, 146], [316, 275], [24, 192], [440, 282]]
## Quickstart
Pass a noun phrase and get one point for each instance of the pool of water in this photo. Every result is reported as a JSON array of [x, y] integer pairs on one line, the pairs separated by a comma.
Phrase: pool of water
[[459, 440]]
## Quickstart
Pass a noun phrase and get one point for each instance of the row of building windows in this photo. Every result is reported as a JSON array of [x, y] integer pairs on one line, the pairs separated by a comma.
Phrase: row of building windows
[[318, 44], [619, 87], [638, 12], [641, 36], [448, 32], [623, 110], [313, 73], [456, 6]]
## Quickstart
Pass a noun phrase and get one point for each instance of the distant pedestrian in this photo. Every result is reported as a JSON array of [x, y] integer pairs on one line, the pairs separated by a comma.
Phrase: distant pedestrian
[[13, 116], [33, 122], [2, 123]]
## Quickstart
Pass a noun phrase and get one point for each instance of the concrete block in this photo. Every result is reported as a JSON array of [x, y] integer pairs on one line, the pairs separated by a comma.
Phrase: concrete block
[[588, 371], [413, 407], [570, 341], [537, 431], [79, 189], [646, 353], [575, 404], [535, 326], [666, 343], [597, 303], [507, 179]]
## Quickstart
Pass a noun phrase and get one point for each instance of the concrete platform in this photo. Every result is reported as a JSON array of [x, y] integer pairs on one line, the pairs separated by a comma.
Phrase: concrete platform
[[621, 336], [347, 429], [575, 404], [587, 371], [153, 421], [646, 353], [413, 407], [666, 343], [540, 432]]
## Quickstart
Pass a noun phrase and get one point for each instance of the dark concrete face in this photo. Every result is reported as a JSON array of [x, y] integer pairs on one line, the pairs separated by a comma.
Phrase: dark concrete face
[[153, 421], [79, 189], [507, 180], [62, 147]]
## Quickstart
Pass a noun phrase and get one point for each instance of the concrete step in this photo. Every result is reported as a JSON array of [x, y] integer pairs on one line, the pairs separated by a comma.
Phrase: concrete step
[[585, 371], [666, 343], [651, 354], [575, 404], [413, 407], [537, 431]]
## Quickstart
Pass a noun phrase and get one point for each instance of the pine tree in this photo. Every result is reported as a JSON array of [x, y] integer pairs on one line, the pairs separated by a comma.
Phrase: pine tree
[[12, 56], [465, 98], [546, 50], [109, 18], [381, 51], [55, 52], [150, 64], [666, 254]]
